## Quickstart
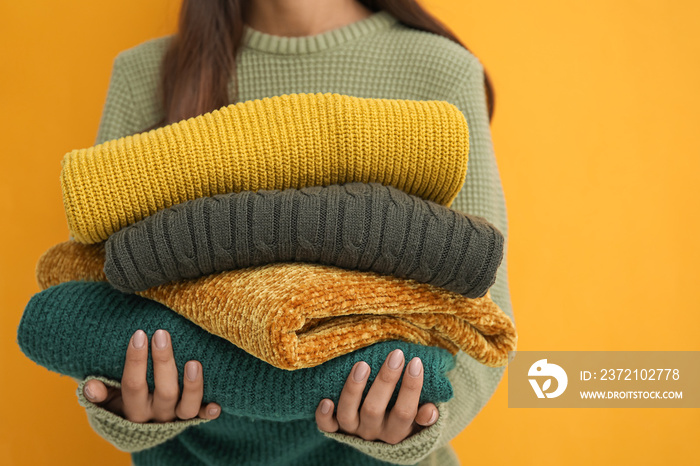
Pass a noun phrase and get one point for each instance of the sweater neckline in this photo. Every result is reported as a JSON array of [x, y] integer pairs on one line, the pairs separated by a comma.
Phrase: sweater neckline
[[258, 40]]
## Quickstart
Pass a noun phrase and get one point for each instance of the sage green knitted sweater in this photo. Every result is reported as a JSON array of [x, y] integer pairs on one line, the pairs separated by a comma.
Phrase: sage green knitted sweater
[[376, 57]]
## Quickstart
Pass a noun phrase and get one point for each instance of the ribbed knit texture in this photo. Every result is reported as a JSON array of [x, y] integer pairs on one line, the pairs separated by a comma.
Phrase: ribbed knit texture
[[232, 442], [377, 57], [295, 315], [295, 443], [360, 226], [288, 141], [83, 328]]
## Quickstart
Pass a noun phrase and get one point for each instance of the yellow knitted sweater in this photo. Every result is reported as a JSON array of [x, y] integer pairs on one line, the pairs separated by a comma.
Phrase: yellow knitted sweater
[[288, 141]]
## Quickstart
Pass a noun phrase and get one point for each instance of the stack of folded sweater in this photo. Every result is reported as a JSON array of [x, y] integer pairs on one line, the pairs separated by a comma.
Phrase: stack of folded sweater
[[292, 237]]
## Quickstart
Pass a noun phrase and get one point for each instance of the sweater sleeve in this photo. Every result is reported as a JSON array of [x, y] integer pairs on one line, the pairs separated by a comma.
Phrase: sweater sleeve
[[120, 114], [126, 435], [481, 195]]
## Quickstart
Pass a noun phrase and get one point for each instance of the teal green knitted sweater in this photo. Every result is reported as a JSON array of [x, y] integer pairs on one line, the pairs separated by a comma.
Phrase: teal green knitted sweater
[[376, 57], [257, 400]]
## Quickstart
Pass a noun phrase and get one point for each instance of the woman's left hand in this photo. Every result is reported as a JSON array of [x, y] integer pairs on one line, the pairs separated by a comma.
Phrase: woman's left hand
[[372, 420]]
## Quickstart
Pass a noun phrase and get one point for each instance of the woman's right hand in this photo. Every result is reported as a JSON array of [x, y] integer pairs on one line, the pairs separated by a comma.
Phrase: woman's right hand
[[134, 402]]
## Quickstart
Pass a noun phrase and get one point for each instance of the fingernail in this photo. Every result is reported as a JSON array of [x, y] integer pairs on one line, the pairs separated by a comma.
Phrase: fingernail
[[414, 367], [433, 418], [360, 372], [88, 393], [325, 406], [161, 339], [139, 339], [191, 370], [396, 359], [213, 411]]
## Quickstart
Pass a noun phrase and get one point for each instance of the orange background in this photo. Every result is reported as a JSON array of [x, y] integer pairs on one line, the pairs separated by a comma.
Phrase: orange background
[[596, 132]]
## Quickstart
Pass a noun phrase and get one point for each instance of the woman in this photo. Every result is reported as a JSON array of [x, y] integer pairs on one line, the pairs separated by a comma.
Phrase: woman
[[237, 50]]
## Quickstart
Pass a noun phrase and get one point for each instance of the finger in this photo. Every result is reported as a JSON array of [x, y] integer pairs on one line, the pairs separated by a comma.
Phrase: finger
[[95, 391], [135, 396], [167, 391], [428, 415], [373, 411], [210, 411], [109, 398], [400, 422], [351, 397], [192, 391], [324, 416]]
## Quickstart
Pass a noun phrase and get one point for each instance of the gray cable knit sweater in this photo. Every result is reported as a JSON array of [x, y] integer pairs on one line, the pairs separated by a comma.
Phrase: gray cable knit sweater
[[355, 226]]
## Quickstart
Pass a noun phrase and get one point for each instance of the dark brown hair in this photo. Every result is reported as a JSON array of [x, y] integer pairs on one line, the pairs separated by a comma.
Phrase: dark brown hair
[[201, 58]]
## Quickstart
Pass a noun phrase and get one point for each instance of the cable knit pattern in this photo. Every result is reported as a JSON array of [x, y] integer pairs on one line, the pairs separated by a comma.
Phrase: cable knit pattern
[[295, 315], [243, 385], [367, 227], [287, 141]]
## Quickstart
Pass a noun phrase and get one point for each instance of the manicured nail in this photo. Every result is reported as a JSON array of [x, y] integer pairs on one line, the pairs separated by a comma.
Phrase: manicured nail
[[396, 359], [433, 418], [213, 411], [139, 339], [191, 370], [361, 371], [414, 367], [161, 339], [325, 406], [88, 393]]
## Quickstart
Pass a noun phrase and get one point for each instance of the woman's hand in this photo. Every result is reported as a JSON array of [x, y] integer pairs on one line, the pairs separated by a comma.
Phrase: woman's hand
[[133, 401], [372, 421]]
